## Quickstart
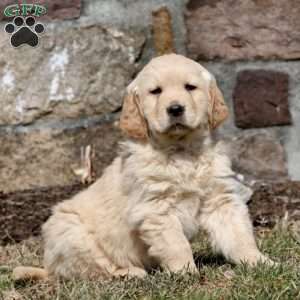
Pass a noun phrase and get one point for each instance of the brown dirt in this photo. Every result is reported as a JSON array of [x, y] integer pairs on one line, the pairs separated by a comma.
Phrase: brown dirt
[[22, 213], [273, 201]]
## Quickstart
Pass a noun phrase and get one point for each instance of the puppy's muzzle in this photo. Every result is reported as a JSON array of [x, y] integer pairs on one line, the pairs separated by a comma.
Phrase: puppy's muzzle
[[175, 110]]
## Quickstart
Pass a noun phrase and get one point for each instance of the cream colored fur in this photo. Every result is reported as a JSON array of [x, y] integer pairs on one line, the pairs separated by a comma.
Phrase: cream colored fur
[[167, 182]]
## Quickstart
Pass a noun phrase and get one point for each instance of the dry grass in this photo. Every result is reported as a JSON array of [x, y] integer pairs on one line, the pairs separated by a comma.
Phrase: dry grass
[[217, 279]]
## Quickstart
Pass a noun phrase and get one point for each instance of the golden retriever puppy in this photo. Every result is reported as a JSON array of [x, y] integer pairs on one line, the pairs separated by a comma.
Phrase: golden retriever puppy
[[168, 181]]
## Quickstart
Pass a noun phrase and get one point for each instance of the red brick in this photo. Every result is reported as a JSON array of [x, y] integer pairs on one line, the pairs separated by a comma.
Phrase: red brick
[[243, 29], [56, 9], [261, 99]]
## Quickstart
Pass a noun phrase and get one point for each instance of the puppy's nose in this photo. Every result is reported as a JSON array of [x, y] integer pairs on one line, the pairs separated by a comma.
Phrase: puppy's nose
[[175, 110]]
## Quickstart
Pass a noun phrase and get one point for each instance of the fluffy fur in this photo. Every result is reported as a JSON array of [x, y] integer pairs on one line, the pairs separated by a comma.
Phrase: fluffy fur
[[168, 181]]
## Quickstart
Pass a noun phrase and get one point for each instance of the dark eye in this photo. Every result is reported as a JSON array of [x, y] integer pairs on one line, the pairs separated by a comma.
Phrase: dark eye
[[190, 87], [156, 91]]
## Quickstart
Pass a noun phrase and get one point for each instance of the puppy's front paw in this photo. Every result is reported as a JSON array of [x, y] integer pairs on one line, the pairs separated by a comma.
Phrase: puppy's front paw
[[270, 262], [130, 272], [187, 268], [254, 261]]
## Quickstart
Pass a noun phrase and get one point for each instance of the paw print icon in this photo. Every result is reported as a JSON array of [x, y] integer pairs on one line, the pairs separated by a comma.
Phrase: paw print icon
[[24, 31]]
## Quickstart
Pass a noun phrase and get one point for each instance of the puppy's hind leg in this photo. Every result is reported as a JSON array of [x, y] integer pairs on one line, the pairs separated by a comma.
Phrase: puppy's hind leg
[[228, 223], [72, 251]]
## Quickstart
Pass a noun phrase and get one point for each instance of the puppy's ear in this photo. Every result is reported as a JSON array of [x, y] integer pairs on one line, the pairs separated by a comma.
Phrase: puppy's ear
[[217, 109], [132, 121]]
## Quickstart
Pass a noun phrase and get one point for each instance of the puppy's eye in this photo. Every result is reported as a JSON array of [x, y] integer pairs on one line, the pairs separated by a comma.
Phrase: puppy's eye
[[156, 91], [190, 87]]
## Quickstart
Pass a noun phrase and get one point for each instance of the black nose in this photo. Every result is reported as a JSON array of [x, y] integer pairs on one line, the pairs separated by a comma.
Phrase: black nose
[[175, 110]]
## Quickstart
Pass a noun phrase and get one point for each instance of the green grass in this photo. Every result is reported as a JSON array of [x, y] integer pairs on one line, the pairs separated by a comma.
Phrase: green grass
[[217, 279]]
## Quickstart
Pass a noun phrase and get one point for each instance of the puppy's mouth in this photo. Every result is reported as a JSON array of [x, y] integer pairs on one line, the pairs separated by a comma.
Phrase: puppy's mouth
[[178, 129]]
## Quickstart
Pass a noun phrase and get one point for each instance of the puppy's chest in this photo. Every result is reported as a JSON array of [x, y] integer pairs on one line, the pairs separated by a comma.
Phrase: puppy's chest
[[183, 185], [186, 179]]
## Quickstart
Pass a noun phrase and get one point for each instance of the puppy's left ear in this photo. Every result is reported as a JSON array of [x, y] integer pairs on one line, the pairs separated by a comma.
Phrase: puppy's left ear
[[132, 120], [217, 109]]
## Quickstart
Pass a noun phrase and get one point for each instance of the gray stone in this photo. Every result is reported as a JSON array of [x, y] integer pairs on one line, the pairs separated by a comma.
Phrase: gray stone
[[243, 29], [138, 15], [77, 71], [48, 157], [258, 156]]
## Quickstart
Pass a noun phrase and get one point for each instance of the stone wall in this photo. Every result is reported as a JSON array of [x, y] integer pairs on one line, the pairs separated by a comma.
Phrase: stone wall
[[67, 93], [253, 49]]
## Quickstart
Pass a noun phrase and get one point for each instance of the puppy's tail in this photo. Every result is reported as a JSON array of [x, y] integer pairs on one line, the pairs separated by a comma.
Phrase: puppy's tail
[[29, 273]]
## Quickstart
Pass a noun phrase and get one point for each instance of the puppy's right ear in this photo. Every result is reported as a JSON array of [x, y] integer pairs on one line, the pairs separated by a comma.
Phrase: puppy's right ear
[[132, 121]]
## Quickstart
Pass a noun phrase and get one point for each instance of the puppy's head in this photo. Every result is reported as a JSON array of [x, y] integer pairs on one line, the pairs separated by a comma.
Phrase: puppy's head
[[172, 97]]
